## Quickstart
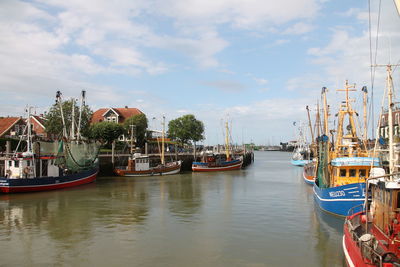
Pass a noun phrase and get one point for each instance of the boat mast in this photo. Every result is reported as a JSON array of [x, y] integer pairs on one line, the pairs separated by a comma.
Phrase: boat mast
[[318, 121], [162, 141], [73, 119], [389, 84], [227, 141], [29, 139], [345, 109], [59, 101], [326, 130], [309, 124], [80, 113], [364, 89]]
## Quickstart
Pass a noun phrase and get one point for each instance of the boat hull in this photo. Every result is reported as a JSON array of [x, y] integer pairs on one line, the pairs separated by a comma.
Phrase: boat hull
[[299, 163], [225, 166], [309, 173], [21, 185], [351, 251], [167, 170], [339, 200]]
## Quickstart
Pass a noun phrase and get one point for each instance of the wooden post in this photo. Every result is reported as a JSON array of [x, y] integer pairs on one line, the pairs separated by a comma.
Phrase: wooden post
[[146, 149], [8, 147], [112, 152]]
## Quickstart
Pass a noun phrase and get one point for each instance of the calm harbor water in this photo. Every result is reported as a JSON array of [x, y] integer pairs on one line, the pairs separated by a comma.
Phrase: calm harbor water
[[261, 216]]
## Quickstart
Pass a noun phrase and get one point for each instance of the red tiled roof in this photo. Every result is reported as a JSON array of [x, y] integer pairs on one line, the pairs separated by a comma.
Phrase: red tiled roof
[[7, 123], [123, 113]]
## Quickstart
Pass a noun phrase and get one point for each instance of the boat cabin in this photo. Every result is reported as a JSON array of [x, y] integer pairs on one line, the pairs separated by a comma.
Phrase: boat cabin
[[385, 208], [139, 163], [25, 165], [349, 174]]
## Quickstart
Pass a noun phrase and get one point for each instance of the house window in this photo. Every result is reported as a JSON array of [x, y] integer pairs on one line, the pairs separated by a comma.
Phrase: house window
[[16, 129], [9, 163], [383, 120], [114, 119], [16, 164]]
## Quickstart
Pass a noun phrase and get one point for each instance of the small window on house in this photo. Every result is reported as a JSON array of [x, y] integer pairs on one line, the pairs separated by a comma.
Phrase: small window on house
[[9, 163], [28, 163], [362, 173], [16, 128], [114, 119], [342, 173], [352, 173], [16, 164]]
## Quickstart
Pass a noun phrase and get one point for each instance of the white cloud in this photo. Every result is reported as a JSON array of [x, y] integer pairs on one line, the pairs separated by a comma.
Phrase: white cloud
[[261, 81], [299, 28]]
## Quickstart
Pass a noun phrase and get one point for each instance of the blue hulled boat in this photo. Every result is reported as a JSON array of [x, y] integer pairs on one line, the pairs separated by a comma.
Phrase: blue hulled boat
[[342, 166]]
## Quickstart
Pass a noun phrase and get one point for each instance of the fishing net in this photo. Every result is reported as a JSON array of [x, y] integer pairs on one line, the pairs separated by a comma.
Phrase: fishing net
[[80, 156], [47, 148]]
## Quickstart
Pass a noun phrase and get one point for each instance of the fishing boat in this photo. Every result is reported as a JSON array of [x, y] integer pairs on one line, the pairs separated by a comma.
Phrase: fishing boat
[[343, 165], [50, 165], [309, 172], [301, 154], [139, 165], [372, 236], [217, 161]]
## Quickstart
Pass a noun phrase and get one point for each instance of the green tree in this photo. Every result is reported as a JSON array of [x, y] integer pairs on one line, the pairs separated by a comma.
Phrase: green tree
[[185, 129], [53, 120], [106, 132], [139, 129]]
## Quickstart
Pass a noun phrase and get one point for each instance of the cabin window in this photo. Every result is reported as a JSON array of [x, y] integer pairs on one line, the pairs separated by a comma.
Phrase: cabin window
[[352, 173], [362, 173], [342, 173], [9, 163], [398, 199], [16, 164]]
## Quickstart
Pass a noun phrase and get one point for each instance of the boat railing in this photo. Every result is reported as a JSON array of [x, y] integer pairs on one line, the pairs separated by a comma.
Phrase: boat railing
[[354, 210]]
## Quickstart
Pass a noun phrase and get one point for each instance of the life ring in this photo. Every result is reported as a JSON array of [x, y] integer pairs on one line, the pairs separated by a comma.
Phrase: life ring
[[210, 159]]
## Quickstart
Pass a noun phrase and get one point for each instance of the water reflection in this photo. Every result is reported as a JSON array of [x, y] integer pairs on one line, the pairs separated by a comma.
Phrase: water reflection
[[329, 232], [261, 216]]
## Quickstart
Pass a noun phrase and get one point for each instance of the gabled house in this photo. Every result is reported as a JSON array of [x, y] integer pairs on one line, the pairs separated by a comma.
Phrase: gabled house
[[37, 126], [14, 127], [11, 127], [118, 115]]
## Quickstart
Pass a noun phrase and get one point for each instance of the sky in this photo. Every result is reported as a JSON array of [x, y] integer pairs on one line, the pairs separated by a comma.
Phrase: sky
[[254, 63]]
